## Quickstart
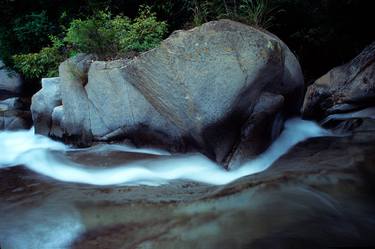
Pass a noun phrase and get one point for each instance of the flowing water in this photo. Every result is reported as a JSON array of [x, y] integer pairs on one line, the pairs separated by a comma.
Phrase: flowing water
[[38, 153], [51, 212]]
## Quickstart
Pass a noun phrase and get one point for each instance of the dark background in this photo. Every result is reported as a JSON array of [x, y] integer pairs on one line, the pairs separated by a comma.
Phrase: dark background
[[322, 33]]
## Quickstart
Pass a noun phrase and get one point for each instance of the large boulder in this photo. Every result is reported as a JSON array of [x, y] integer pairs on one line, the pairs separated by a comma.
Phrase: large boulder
[[43, 103], [10, 82], [194, 92], [344, 89]]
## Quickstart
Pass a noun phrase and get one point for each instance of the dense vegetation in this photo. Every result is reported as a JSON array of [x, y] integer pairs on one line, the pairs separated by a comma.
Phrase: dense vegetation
[[35, 36]]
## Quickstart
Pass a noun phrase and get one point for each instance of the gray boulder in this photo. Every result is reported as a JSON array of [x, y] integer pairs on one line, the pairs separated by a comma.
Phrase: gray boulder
[[10, 82], [193, 92], [207, 80], [43, 103]]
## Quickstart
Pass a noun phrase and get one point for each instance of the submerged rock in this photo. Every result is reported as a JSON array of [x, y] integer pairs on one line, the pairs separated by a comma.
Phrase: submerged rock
[[194, 92], [344, 89]]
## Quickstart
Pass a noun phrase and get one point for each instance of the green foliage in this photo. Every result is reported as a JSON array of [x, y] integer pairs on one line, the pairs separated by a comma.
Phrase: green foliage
[[107, 36], [144, 33], [42, 64], [96, 34], [32, 30]]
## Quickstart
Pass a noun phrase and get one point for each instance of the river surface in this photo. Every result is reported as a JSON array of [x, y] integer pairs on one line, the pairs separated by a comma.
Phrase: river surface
[[312, 195]]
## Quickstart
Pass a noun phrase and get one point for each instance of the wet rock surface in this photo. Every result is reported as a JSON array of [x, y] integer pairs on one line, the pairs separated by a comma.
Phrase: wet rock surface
[[319, 195]]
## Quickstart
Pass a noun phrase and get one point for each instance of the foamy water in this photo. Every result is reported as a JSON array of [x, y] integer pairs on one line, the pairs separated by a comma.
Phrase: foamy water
[[36, 153]]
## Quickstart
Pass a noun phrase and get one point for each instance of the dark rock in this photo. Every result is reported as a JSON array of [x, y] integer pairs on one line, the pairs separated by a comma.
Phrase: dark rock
[[259, 130], [343, 89]]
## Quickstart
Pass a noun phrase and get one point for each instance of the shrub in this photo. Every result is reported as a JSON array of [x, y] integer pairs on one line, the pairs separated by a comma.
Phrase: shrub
[[95, 35], [107, 36], [144, 33], [42, 64]]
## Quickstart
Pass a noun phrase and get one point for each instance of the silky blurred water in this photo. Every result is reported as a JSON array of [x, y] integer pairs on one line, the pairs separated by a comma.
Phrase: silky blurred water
[[37, 153]]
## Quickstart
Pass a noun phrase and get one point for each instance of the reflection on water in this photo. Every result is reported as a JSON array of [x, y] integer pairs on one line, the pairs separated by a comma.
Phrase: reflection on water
[[35, 152]]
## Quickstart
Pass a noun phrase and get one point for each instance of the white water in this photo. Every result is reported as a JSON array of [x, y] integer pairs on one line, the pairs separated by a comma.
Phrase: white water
[[36, 153]]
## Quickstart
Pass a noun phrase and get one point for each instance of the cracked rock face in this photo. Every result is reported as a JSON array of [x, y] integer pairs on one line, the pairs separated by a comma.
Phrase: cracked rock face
[[194, 92]]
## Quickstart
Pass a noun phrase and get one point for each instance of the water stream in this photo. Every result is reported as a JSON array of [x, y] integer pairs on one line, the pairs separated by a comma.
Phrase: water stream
[[38, 153]]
